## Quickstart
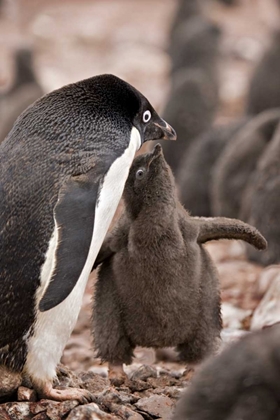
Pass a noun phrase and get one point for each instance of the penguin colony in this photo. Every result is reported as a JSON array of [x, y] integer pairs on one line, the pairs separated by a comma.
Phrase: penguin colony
[[63, 168], [68, 152], [215, 164], [241, 383], [157, 286]]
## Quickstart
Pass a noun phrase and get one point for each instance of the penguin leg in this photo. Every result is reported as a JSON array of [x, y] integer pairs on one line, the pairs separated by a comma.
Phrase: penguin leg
[[110, 338], [203, 344], [116, 374], [46, 390]]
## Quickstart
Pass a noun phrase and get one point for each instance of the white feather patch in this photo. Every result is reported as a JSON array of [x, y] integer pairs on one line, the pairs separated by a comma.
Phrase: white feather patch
[[53, 328]]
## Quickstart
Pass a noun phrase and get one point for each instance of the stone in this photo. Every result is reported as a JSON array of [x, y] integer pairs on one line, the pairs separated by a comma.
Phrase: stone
[[143, 373], [3, 414], [127, 398], [17, 410], [26, 394], [234, 317], [40, 416], [93, 382], [127, 413], [162, 381], [173, 392], [67, 378], [41, 406], [267, 276], [58, 411], [138, 385], [268, 311], [89, 412], [157, 406]]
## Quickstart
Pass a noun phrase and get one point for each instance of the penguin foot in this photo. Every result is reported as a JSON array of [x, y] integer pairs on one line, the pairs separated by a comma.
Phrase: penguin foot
[[116, 374], [81, 395]]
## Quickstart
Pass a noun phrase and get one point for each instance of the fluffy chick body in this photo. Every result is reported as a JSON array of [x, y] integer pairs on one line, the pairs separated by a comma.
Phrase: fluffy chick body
[[157, 286]]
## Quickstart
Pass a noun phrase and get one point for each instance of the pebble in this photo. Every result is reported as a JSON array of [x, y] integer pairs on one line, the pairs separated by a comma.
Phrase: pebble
[[143, 373], [268, 311], [157, 406], [26, 394], [89, 411]]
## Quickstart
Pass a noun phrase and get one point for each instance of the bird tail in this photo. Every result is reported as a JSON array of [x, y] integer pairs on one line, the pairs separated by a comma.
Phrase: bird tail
[[213, 228]]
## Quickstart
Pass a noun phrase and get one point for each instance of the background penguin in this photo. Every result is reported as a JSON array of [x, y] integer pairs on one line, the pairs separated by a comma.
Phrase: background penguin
[[62, 172], [186, 9], [243, 382], [157, 286], [194, 175], [237, 162], [229, 2], [196, 44], [264, 88], [193, 99], [23, 91], [261, 201]]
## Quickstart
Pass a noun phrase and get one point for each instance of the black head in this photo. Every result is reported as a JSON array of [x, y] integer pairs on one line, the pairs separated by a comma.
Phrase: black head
[[150, 183], [100, 113], [120, 99]]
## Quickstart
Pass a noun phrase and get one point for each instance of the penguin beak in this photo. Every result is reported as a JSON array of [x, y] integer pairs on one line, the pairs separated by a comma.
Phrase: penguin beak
[[168, 133], [159, 130]]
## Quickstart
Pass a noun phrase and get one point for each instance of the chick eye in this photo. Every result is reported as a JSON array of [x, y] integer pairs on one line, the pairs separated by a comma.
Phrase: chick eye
[[140, 173], [147, 116]]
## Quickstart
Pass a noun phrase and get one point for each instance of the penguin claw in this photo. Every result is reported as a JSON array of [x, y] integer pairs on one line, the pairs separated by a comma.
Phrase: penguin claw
[[83, 396]]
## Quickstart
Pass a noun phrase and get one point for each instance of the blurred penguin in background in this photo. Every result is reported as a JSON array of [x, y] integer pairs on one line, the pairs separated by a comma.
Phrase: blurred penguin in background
[[238, 161], [24, 90], [261, 204], [264, 88], [193, 99], [195, 173]]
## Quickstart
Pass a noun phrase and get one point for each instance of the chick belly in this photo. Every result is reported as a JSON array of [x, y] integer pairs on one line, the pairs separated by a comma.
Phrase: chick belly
[[150, 331], [158, 318]]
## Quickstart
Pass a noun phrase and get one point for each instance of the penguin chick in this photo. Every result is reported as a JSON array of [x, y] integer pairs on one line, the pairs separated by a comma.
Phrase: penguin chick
[[261, 203], [238, 161], [157, 286], [243, 382], [23, 92], [63, 168], [264, 88], [194, 174]]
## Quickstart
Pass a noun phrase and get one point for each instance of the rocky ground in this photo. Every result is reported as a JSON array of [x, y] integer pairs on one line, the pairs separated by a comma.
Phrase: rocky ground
[[77, 39]]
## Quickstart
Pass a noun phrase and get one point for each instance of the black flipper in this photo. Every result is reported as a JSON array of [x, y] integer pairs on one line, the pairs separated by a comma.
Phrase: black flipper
[[104, 253], [74, 214]]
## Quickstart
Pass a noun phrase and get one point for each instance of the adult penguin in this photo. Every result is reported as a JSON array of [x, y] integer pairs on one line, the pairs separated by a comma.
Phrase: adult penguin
[[63, 168]]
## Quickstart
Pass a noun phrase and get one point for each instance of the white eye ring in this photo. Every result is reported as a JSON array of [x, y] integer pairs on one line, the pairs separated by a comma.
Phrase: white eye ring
[[140, 173], [147, 116]]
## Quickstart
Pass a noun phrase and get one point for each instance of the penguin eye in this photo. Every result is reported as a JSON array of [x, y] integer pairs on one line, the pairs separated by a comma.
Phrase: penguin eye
[[147, 116], [140, 173]]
